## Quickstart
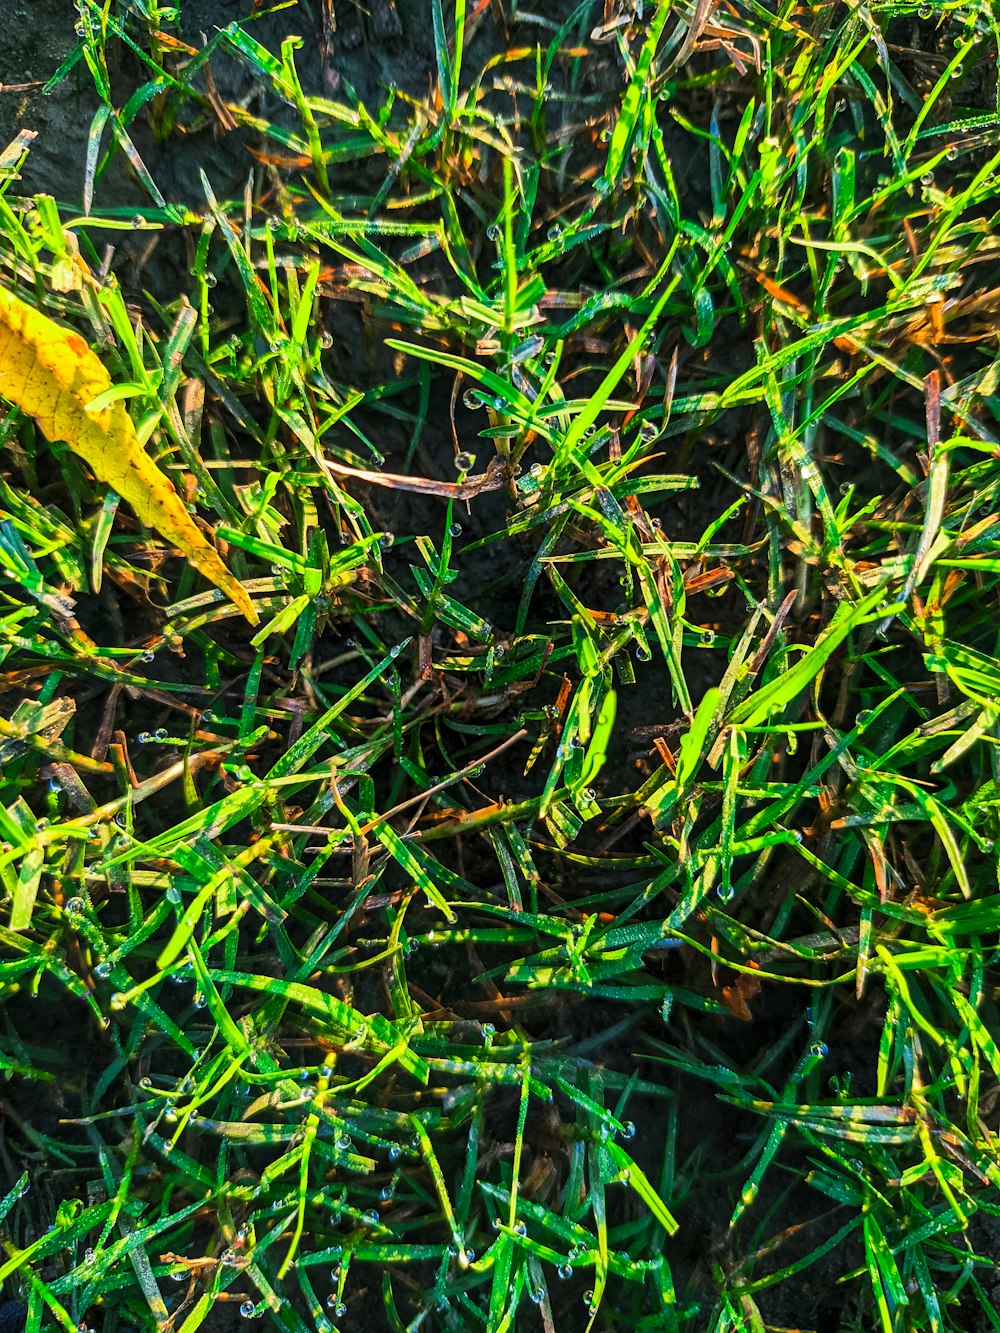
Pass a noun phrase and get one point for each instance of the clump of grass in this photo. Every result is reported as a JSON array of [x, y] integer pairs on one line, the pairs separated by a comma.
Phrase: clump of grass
[[577, 905]]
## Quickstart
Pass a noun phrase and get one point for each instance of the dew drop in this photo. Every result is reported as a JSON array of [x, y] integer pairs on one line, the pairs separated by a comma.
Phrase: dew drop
[[493, 232], [143, 738], [463, 462], [472, 400], [248, 1309], [76, 907], [455, 530]]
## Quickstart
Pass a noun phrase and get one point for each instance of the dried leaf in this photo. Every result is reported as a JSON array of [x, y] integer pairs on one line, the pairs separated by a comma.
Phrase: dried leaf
[[51, 374]]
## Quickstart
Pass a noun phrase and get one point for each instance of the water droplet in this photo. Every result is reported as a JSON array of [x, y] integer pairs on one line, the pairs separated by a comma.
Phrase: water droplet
[[147, 657], [117, 1002], [371, 1218], [76, 907], [160, 733], [173, 894], [463, 462], [395, 1152], [102, 970], [395, 650], [819, 1049], [536, 1295], [455, 530], [564, 1271], [248, 1309], [493, 232], [89, 1256], [628, 1130], [145, 1084], [555, 232], [138, 220], [520, 1229], [143, 738], [643, 654], [472, 400]]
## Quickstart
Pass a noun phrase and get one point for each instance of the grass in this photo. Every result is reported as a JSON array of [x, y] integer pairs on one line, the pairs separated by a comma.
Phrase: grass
[[577, 905]]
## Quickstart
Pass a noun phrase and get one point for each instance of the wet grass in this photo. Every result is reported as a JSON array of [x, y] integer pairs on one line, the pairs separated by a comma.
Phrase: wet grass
[[577, 905]]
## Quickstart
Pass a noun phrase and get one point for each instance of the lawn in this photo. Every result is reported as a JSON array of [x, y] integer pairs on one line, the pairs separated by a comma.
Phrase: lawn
[[499, 666]]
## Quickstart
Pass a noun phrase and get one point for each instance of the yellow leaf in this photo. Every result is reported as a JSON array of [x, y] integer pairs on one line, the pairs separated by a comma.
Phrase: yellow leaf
[[51, 374]]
